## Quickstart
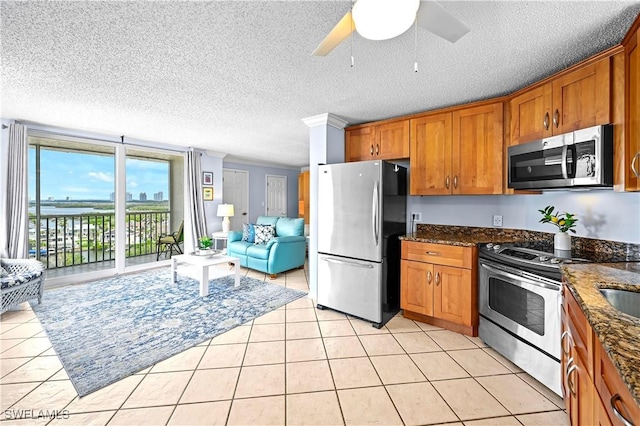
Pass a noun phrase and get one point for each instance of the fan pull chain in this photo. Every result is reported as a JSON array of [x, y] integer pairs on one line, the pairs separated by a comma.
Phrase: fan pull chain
[[352, 31], [415, 63]]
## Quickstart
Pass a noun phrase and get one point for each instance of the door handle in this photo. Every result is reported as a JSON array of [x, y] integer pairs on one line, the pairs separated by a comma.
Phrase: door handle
[[429, 276], [614, 399], [446, 182], [570, 385], [437, 278], [633, 165], [244, 213], [433, 253], [377, 149], [556, 118], [345, 262], [566, 333], [455, 182], [545, 122], [563, 162], [371, 150]]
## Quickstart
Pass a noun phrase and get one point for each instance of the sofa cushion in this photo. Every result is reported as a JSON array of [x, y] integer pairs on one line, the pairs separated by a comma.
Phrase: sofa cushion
[[264, 233], [248, 232], [286, 227], [16, 279], [258, 251], [267, 220], [239, 247]]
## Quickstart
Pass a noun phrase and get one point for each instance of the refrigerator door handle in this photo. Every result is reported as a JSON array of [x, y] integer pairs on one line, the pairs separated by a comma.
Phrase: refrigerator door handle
[[345, 262], [375, 206]]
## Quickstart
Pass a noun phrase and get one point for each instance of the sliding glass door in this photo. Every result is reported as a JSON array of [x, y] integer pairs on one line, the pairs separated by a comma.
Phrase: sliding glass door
[[98, 206]]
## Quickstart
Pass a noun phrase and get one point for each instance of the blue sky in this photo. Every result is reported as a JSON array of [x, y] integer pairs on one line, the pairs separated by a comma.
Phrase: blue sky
[[83, 176]]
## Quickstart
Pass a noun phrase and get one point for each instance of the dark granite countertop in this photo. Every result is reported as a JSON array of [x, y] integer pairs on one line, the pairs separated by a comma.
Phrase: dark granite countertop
[[618, 332], [469, 236]]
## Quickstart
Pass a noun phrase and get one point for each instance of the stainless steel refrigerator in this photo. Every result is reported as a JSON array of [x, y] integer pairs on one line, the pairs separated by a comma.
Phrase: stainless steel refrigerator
[[361, 214]]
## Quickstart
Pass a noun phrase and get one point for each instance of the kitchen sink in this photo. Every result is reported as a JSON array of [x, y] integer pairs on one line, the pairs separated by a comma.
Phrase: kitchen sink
[[623, 300]]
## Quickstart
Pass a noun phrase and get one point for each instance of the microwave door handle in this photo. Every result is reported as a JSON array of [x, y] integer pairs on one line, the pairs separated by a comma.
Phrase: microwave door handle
[[563, 162], [574, 160]]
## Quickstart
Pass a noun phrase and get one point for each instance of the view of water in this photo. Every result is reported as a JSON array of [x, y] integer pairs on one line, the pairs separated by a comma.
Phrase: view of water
[[49, 210]]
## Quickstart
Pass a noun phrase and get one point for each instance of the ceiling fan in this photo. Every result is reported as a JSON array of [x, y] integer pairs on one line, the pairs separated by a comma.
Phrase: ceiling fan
[[385, 19]]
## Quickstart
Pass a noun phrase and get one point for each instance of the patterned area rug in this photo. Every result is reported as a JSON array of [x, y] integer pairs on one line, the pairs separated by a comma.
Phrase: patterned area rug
[[107, 330]]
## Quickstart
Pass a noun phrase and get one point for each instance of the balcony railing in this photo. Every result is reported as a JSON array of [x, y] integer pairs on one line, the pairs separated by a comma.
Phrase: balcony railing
[[78, 239]]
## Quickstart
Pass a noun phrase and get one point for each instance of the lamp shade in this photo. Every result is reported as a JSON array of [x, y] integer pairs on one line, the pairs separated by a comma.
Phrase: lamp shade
[[384, 19], [225, 210]]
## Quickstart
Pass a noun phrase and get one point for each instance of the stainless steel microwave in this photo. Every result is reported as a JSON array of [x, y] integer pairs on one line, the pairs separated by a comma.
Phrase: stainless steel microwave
[[583, 158]]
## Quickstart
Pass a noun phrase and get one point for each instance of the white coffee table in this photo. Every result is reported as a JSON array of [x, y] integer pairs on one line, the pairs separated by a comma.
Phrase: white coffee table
[[204, 263]]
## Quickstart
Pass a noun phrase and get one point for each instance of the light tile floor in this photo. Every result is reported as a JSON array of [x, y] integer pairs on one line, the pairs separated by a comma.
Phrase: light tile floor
[[295, 365]]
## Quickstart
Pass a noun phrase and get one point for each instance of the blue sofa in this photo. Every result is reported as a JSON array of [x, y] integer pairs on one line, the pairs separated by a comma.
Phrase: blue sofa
[[286, 251]]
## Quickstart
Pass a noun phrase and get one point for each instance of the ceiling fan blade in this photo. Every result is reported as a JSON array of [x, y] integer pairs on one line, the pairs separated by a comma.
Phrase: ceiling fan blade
[[341, 31], [438, 20]]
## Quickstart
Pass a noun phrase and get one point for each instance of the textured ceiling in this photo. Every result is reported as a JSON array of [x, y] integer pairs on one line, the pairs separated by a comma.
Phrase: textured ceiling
[[237, 77]]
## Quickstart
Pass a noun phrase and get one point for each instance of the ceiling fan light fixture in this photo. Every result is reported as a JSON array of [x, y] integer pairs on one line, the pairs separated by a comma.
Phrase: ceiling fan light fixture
[[384, 19]]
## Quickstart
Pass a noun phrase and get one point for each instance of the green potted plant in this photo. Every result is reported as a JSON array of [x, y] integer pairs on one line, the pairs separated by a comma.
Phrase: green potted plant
[[565, 223], [205, 243]]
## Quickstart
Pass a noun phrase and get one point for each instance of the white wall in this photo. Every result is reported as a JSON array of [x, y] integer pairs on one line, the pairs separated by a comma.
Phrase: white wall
[[602, 214], [213, 164]]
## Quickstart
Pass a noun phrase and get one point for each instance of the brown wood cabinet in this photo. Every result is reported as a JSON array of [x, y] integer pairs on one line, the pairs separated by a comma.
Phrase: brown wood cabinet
[[304, 195], [632, 107], [385, 141], [591, 385], [458, 152], [438, 285], [571, 101]]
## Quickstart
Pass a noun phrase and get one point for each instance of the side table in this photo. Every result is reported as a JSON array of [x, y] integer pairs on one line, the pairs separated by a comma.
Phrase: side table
[[220, 235]]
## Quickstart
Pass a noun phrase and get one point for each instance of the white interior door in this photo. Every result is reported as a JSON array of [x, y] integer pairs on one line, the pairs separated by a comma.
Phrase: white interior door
[[276, 195], [235, 190]]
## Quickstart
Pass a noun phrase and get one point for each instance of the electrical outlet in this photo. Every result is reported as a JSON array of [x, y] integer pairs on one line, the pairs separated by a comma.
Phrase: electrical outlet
[[497, 220], [416, 217]]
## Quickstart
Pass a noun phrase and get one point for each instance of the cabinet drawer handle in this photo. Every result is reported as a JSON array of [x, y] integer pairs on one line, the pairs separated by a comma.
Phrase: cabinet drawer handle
[[614, 399], [437, 278], [566, 333], [545, 122], [570, 384], [429, 276], [433, 253], [556, 118], [455, 181], [377, 149], [633, 165], [371, 150], [446, 182]]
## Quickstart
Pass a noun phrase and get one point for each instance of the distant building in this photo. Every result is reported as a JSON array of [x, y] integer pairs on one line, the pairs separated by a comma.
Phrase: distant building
[[50, 198], [143, 196], [158, 196], [112, 197], [68, 198], [129, 196]]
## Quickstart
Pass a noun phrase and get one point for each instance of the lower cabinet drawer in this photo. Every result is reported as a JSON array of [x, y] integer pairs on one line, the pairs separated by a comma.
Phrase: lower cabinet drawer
[[438, 254]]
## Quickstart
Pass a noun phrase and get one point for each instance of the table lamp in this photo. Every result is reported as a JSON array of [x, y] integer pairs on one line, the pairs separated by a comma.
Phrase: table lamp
[[225, 210]]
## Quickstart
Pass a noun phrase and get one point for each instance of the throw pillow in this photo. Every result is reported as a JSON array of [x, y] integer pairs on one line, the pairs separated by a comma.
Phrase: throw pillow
[[3, 272], [248, 232], [264, 233]]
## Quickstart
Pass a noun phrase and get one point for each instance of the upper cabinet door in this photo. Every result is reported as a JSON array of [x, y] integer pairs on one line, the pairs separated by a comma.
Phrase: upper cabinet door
[[631, 162], [430, 164], [477, 150], [392, 140], [360, 143], [531, 115], [581, 98]]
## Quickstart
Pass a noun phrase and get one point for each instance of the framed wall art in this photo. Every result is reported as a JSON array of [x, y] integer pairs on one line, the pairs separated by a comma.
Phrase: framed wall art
[[207, 178], [207, 193]]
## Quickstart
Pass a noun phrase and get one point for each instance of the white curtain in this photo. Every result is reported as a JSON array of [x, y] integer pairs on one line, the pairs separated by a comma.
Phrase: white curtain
[[14, 220], [196, 222]]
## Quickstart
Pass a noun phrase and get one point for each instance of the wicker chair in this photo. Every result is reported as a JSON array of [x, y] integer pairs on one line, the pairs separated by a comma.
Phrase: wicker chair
[[20, 280]]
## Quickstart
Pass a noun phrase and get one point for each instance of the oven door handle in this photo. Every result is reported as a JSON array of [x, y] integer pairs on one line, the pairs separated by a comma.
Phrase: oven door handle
[[516, 278]]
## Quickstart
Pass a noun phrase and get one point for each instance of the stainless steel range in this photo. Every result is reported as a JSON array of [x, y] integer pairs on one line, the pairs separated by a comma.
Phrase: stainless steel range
[[519, 306]]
